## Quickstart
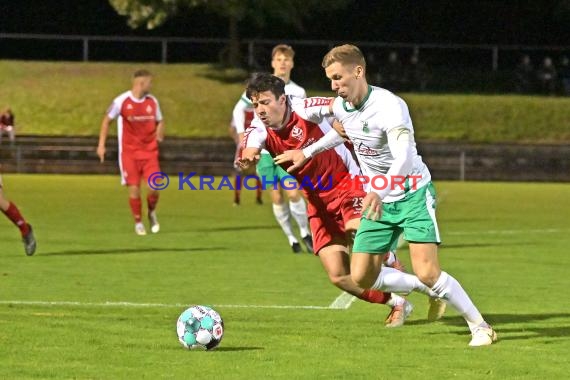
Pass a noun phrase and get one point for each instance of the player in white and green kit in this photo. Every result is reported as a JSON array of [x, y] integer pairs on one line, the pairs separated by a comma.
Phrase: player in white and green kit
[[282, 63], [400, 195]]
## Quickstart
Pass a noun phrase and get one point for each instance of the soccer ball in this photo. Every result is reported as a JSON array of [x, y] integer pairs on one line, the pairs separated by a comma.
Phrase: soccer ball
[[200, 327]]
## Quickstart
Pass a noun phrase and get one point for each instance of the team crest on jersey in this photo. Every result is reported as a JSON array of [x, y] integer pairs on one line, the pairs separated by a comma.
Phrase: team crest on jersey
[[148, 109], [365, 128], [297, 133], [129, 106]]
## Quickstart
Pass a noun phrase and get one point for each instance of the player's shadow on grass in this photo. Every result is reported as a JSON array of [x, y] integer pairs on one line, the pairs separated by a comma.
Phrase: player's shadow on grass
[[127, 251], [501, 323], [482, 245], [229, 349], [496, 319]]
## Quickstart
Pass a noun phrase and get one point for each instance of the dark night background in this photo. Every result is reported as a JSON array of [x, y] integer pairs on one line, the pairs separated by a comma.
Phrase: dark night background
[[495, 22], [529, 24]]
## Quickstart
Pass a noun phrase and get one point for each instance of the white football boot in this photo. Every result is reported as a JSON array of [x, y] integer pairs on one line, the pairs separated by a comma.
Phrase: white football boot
[[139, 229], [154, 225], [436, 309], [483, 336]]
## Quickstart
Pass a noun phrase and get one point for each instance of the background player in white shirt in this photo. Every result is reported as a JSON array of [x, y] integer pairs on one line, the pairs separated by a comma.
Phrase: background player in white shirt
[[239, 173], [282, 63], [379, 125]]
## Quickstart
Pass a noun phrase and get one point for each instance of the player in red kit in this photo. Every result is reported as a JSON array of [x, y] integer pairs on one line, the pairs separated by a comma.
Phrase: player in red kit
[[140, 129], [333, 212], [11, 211]]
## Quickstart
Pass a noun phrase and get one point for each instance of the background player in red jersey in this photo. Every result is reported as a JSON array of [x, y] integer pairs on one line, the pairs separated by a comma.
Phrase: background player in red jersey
[[11, 211], [333, 212], [140, 129]]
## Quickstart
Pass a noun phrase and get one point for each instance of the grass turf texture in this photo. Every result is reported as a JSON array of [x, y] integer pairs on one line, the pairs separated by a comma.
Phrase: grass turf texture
[[506, 243], [70, 98]]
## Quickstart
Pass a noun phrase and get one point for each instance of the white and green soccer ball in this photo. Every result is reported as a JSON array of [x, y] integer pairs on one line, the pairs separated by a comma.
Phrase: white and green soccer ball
[[200, 327]]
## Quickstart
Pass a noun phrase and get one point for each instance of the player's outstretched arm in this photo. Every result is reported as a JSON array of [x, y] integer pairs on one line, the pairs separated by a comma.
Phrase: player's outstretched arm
[[103, 137], [249, 156], [299, 157], [296, 157]]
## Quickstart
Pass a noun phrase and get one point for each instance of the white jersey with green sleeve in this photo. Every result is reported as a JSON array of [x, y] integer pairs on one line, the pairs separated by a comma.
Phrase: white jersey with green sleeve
[[368, 126]]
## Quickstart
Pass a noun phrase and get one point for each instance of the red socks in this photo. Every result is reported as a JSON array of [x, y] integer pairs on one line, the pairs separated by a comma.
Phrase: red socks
[[14, 215], [237, 188], [152, 200], [375, 296], [136, 207], [258, 190]]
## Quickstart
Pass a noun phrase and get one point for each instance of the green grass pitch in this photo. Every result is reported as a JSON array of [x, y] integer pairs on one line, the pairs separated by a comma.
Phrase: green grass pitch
[[507, 243], [196, 103]]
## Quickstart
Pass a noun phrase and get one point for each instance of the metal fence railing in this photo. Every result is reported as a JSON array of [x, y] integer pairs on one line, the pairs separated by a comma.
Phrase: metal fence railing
[[453, 65]]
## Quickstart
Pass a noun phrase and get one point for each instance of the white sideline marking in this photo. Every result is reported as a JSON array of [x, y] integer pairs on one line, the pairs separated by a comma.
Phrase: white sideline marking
[[343, 301], [149, 305]]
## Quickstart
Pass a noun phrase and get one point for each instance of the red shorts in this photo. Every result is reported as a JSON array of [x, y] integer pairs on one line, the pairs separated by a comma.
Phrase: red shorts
[[328, 213], [133, 170]]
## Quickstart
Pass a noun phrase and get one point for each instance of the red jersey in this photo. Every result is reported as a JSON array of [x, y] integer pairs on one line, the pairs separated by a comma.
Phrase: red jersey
[[136, 123], [322, 171]]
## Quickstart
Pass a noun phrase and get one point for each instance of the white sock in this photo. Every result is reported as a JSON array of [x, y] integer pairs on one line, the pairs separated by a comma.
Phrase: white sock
[[395, 300], [390, 258], [281, 213], [299, 212], [449, 289], [392, 280]]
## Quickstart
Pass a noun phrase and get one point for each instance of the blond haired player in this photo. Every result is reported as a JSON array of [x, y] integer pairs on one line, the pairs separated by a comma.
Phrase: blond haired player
[[378, 124], [334, 211], [140, 129], [282, 62]]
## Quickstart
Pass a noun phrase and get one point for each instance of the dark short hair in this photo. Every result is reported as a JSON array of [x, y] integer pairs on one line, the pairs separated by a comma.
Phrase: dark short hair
[[141, 73], [261, 82]]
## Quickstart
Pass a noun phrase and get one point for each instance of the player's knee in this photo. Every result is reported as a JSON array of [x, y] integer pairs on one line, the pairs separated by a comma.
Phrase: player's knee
[[294, 195], [363, 280], [336, 281], [428, 278], [276, 197]]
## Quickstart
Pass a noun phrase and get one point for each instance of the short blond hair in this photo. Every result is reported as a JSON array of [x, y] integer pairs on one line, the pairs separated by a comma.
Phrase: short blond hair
[[286, 50], [344, 54], [141, 73]]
